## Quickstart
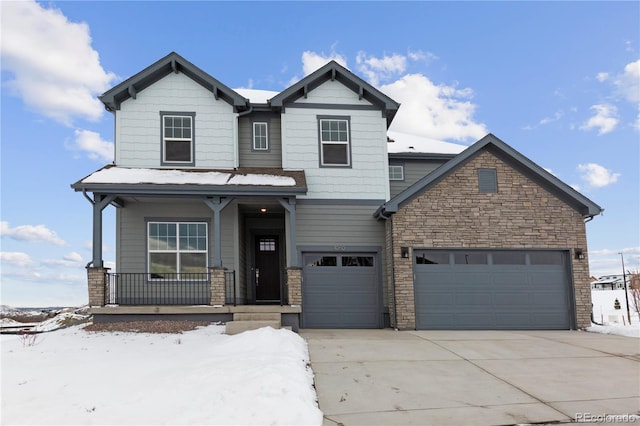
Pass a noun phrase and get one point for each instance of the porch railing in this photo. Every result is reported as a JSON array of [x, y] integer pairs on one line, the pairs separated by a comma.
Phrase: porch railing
[[231, 296], [158, 289]]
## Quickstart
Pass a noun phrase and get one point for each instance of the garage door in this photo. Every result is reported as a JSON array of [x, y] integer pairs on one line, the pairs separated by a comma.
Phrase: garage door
[[341, 290], [499, 289]]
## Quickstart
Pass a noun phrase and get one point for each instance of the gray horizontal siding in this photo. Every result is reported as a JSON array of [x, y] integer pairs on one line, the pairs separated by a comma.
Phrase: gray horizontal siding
[[270, 158], [414, 170], [338, 225], [131, 230]]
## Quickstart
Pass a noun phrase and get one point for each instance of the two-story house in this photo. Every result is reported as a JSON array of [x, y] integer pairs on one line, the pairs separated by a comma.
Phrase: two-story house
[[236, 204]]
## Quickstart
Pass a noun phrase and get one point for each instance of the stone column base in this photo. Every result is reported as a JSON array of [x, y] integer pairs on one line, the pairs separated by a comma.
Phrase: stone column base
[[97, 280], [294, 285], [217, 286]]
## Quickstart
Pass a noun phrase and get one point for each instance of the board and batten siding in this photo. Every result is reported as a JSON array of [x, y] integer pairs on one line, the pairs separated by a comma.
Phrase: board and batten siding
[[269, 158], [414, 170], [138, 124], [131, 230]]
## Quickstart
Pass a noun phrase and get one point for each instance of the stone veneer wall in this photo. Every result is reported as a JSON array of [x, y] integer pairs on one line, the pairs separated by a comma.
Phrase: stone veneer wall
[[217, 286], [453, 213], [96, 278], [294, 285]]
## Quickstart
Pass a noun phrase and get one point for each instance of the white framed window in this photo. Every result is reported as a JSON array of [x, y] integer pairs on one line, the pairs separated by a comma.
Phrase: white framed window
[[335, 149], [177, 247], [396, 172], [177, 137], [260, 136]]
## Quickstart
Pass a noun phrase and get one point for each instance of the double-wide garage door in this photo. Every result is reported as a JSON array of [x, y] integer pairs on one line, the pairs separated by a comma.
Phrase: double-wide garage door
[[340, 290], [498, 289]]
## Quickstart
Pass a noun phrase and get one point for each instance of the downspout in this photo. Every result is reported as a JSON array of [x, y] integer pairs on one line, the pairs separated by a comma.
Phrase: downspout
[[381, 214]]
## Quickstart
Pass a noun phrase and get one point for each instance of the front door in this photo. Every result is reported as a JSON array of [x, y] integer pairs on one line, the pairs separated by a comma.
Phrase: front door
[[267, 268]]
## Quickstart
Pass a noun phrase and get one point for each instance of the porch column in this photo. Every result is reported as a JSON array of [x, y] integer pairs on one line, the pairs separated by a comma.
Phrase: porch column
[[97, 280], [290, 206], [100, 201], [217, 204]]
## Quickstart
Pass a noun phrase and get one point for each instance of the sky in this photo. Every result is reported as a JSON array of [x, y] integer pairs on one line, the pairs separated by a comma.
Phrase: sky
[[558, 81]]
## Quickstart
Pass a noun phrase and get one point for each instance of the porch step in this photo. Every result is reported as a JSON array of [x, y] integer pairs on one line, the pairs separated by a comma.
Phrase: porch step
[[256, 316], [236, 327]]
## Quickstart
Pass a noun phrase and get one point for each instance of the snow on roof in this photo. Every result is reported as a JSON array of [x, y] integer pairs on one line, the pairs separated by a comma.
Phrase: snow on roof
[[406, 143], [125, 175], [256, 96]]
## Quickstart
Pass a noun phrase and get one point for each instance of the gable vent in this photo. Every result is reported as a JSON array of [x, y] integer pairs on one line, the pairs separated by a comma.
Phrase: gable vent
[[487, 181]]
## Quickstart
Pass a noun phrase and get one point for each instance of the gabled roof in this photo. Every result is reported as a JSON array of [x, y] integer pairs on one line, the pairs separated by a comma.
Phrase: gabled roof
[[336, 72], [170, 63], [510, 156]]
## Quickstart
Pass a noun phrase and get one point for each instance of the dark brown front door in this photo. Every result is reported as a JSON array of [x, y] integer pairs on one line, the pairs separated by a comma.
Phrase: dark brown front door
[[267, 269]]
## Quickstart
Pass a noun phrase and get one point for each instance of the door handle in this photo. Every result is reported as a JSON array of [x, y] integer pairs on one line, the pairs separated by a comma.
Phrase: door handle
[[257, 276]]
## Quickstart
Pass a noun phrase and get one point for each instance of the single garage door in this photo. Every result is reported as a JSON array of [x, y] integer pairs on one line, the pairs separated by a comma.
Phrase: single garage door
[[498, 289], [341, 290]]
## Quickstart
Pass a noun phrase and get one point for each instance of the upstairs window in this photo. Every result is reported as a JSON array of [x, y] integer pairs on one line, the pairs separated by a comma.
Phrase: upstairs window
[[260, 136], [396, 172], [335, 141], [177, 137]]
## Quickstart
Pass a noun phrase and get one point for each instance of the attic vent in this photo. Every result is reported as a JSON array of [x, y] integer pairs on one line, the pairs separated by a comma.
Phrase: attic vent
[[487, 180]]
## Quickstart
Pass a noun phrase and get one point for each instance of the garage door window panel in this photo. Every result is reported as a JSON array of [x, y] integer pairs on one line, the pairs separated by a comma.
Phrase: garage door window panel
[[470, 258], [322, 261], [361, 261], [543, 258], [509, 258], [432, 258]]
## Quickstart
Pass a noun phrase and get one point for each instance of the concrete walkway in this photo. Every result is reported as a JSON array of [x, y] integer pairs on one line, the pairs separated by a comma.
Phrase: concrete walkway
[[386, 377]]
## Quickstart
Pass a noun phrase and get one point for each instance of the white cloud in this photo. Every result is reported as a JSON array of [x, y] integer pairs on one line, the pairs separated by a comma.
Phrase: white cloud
[[16, 258], [557, 116], [55, 69], [602, 76], [435, 111], [597, 176], [628, 83], [92, 144], [31, 233], [70, 260], [605, 119], [311, 61], [377, 69]]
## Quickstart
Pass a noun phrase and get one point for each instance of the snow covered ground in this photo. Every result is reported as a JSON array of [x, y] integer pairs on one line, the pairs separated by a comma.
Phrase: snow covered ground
[[71, 376], [614, 321]]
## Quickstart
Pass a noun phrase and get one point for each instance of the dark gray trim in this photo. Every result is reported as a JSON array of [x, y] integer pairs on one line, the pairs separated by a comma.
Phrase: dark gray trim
[[100, 202], [419, 156], [310, 105], [217, 204], [336, 72], [289, 205], [267, 122], [338, 202], [579, 202], [193, 138], [113, 98], [346, 118], [125, 190]]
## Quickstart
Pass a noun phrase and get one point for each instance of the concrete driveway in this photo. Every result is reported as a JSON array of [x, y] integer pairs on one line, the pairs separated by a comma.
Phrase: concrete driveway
[[386, 377]]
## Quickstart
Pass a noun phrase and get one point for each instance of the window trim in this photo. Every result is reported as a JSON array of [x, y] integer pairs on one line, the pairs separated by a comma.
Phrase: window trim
[[321, 143], [401, 168], [163, 140], [267, 147], [177, 250]]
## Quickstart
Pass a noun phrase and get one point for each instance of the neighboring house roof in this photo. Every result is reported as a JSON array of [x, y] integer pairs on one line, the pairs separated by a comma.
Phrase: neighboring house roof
[[609, 279], [512, 157], [243, 181], [165, 66], [404, 145], [334, 71]]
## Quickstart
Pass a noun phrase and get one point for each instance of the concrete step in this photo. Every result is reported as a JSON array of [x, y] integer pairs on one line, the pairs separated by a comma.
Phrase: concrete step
[[236, 327], [256, 316]]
